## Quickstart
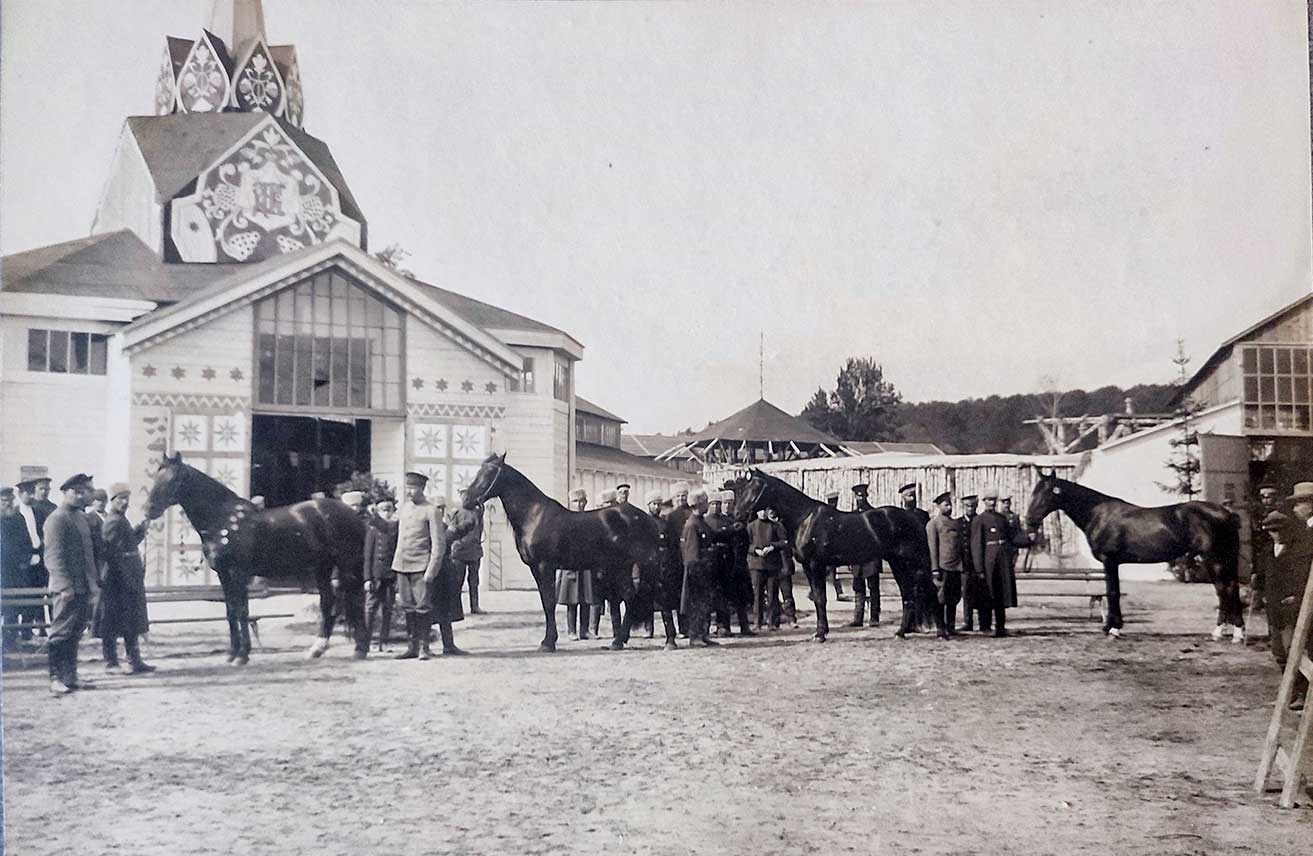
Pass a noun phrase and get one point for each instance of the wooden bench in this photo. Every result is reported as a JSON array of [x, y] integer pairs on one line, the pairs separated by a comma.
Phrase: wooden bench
[[1092, 581], [156, 594]]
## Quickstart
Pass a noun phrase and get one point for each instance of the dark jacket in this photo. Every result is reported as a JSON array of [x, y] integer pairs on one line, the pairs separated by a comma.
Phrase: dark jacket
[[469, 546], [70, 554], [380, 546], [15, 551], [766, 533], [121, 609], [991, 544], [697, 543]]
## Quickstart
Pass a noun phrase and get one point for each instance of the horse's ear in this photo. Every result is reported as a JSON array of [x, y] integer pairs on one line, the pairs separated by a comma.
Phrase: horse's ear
[[502, 459], [176, 459]]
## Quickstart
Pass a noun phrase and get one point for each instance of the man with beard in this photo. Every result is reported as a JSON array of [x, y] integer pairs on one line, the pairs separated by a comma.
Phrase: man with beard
[[33, 518], [990, 543], [15, 555]]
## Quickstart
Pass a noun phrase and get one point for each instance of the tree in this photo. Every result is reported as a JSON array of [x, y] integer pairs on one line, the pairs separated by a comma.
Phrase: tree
[[862, 405], [1184, 460], [392, 256]]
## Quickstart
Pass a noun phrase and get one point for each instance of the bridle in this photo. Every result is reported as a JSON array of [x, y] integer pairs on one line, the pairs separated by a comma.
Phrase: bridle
[[488, 490]]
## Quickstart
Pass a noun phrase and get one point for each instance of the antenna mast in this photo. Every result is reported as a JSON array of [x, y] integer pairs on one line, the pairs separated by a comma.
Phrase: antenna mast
[[761, 367]]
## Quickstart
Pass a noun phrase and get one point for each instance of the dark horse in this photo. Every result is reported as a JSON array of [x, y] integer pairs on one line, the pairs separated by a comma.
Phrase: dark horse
[[1120, 533], [299, 542], [824, 537], [548, 537]]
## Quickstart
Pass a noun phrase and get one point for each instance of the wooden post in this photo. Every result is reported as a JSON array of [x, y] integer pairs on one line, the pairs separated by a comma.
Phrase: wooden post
[[1297, 661]]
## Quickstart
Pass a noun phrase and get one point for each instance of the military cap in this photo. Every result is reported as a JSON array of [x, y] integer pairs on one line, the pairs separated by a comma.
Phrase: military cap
[[6, 493], [1303, 492], [353, 496], [909, 486], [989, 493], [119, 489], [417, 479], [654, 496], [99, 493], [578, 493], [861, 489], [624, 485], [1275, 520], [1267, 485], [74, 481], [26, 485], [943, 497], [970, 497], [1005, 499]]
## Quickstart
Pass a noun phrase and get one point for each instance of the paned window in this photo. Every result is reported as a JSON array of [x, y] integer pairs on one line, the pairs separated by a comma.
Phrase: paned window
[[1277, 391], [561, 380], [527, 382], [328, 344], [64, 352]]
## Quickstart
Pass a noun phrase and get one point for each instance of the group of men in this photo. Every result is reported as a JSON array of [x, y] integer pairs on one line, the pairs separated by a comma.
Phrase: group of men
[[1282, 549], [85, 553], [418, 556]]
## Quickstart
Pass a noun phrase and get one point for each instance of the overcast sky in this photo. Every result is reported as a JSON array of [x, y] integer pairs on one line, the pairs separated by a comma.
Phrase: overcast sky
[[977, 193]]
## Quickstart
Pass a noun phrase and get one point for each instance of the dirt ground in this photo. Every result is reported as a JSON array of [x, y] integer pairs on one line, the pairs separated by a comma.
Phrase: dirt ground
[[1055, 742]]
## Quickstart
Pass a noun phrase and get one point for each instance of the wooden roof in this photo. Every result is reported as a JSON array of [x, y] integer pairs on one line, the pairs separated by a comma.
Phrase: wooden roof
[[583, 405], [762, 422]]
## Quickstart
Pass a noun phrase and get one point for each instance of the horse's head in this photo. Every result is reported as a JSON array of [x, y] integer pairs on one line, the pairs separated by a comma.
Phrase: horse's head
[[1045, 499], [749, 495], [166, 486], [483, 486]]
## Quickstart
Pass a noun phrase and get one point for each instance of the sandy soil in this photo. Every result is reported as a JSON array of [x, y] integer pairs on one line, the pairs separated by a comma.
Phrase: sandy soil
[[1056, 742]]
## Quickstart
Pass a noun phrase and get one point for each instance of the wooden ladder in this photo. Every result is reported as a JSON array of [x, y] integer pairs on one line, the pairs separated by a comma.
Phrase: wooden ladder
[[1291, 763]]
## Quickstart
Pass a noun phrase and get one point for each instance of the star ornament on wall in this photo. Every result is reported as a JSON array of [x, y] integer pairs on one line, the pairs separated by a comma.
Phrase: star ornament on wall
[[441, 384], [418, 382], [236, 374], [467, 385], [149, 371], [208, 373], [178, 372], [491, 387]]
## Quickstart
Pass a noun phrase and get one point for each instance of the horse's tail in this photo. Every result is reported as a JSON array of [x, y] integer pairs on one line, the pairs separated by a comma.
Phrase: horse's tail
[[1226, 543]]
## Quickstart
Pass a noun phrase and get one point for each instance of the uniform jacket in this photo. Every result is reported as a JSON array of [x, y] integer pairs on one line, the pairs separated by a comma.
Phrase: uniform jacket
[[766, 533], [421, 540], [96, 524], [15, 551], [697, 542], [944, 536], [675, 521], [920, 514], [70, 555], [964, 537], [469, 546], [380, 547], [991, 544]]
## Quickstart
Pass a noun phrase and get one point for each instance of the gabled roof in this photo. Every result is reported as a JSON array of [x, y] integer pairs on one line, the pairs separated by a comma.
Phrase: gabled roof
[[113, 264], [179, 147], [583, 405], [760, 422], [485, 314], [651, 445], [1224, 350]]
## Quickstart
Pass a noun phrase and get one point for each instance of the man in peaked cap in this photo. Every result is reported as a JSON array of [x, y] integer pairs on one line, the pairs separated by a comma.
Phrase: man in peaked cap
[[1260, 540], [970, 580], [421, 550], [71, 562], [676, 517], [622, 493], [866, 576], [944, 537], [1292, 555], [121, 609], [924, 588], [990, 542]]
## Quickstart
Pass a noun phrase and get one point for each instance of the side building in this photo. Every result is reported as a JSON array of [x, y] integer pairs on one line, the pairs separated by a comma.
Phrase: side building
[[601, 461]]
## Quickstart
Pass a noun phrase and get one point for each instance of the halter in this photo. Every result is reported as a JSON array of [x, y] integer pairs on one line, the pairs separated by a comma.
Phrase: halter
[[488, 490]]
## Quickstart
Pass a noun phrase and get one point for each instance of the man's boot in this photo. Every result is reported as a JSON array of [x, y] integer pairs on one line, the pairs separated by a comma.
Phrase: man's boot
[[873, 598], [55, 653], [859, 605], [423, 628], [572, 621], [449, 640], [71, 668], [474, 596], [594, 620], [745, 626], [412, 639], [967, 618], [1000, 625], [109, 649], [136, 665]]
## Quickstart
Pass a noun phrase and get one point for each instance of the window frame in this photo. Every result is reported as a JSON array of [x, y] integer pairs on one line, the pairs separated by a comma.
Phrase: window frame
[[95, 357], [1276, 388]]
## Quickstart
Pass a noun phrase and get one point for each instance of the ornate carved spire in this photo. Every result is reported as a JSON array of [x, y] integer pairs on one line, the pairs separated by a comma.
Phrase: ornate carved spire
[[240, 23]]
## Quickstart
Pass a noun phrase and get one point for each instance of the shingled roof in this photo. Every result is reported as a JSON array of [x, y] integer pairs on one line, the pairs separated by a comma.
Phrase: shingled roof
[[180, 147], [761, 422], [583, 405]]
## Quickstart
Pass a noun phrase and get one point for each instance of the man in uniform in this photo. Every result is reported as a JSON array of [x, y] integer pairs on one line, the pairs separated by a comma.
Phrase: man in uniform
[[944, 537], [380, 579], [622, 493], [1261, 542], [990, 543], [734, 581], [71, 563], [605, 586], [697, 552], [467, 550], [970, 579], [421, 549], [121, 608], [1015, 528], [921, 616], [790, 607], [665, 588], [766, 545], [675, 520], [1292, 554], [15, 555], [866, 576]]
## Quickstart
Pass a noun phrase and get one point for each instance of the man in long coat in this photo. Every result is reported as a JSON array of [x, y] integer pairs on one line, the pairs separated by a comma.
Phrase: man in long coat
[[71, 562], [922, 618], [972, 598], [733, 581], [15, 556], [767, 542], [697, 550], [1292, 554], [121, 609], [467, 550], [990, 542], [675, 519], [37, 577]]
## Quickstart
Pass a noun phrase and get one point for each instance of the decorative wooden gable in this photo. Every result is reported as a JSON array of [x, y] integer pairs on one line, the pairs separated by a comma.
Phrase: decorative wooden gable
[[261, 199], [203, 83], [258, 85], [165, 86], [293, 107]]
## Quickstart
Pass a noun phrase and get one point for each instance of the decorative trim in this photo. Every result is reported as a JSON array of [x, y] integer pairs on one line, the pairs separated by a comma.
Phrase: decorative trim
[[462, 411], [178, 399]]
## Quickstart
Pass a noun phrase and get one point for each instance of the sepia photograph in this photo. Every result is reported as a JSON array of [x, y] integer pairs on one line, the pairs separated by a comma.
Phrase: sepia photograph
[[659, 427]]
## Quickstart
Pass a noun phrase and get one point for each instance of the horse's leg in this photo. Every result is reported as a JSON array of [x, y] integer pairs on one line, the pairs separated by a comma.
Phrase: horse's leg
[[816, 581], [621, 627], [227, 582], [1112, 625], [545, 577], [1230, 611], [906, 582], [668, 623], [324, 579], [353, 614]]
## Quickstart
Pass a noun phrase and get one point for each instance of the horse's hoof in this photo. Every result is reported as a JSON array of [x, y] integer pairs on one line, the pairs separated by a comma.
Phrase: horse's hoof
[[241, 660], [317, 649], [616, 645], [230, 658], [670, 646], [359, 655], [1114, 633], [900, 634], [547, 648], [818, 637]]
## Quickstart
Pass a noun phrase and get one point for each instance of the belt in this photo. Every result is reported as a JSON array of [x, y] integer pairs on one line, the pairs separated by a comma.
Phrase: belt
[[994, 543]]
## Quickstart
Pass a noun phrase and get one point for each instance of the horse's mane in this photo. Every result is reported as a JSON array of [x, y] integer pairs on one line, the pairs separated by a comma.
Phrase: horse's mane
[[208, 487]]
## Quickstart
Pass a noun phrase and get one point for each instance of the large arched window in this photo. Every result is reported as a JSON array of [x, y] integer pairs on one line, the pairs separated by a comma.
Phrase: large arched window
[[328, 344]]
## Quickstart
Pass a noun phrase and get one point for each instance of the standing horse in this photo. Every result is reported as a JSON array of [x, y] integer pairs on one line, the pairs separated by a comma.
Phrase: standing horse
[[1121, 533], [825, 537], [298, 542], [611, 540]]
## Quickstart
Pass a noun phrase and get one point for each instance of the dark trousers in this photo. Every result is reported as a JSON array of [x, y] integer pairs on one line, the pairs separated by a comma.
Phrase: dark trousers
[[789, 607], [109, 646], [949, 592], [766, 597], [470, 572], [68, 618], [1230, 610], [381, 600], [866, 589]]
